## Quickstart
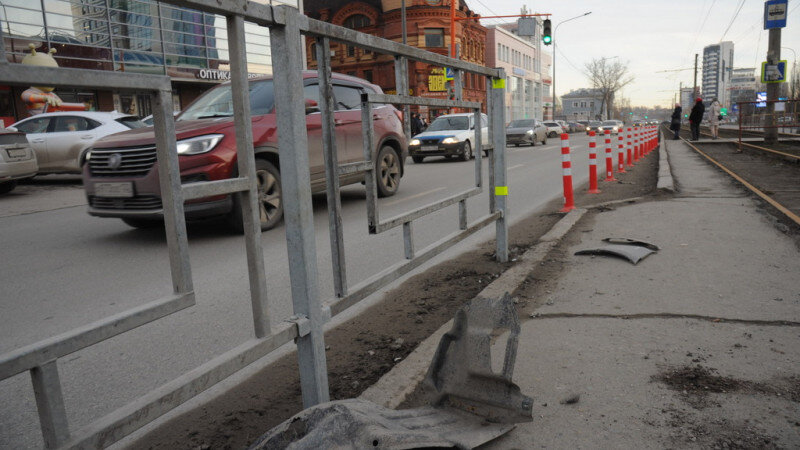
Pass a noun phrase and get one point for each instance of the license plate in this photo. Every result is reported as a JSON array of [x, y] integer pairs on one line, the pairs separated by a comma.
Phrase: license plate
[[429, 148], [17, 152], [120, 190]]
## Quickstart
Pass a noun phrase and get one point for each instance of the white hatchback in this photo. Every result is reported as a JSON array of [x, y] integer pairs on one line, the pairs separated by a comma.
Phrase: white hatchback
[[449, 135], [61, 139]]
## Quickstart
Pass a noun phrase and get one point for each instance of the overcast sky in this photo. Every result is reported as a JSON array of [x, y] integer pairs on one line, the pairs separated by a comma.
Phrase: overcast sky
[[651, 36]]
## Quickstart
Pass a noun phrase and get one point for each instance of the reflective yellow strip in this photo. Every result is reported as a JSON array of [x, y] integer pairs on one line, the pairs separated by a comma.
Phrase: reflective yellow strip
[[498, 83], [501, 190]]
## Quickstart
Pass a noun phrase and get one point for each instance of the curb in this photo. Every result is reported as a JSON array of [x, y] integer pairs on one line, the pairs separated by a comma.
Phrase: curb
[[395, 386], [665, 181]]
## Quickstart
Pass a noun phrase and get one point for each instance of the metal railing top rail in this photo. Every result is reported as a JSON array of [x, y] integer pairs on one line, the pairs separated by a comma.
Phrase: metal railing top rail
[[20, 74]]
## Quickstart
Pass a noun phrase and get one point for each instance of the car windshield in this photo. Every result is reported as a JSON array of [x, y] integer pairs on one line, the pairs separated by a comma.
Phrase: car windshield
[[449, 123], [610, 123], [218, 102], [131, 122], [521, 124], [552, 124], [594, 123]]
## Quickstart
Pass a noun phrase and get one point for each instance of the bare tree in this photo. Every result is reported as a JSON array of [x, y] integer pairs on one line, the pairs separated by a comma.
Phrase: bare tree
[[608, 77]]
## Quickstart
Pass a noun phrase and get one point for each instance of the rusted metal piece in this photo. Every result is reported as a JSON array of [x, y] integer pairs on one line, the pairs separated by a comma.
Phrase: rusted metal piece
[[470, 404], [461, 375]]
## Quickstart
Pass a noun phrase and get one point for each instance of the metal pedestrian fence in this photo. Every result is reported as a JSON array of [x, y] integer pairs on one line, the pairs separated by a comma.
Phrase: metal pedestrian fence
[[310, 312]]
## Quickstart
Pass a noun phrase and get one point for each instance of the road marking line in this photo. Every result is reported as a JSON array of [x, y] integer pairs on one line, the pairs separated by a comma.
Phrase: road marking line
[[412, 197]]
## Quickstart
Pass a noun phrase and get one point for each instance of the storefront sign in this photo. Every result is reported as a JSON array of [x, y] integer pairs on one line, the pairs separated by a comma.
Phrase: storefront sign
[[436, 80], [220, 75]]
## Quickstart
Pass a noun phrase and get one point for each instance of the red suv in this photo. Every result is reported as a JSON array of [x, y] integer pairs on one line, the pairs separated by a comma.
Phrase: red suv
[[121, 176]]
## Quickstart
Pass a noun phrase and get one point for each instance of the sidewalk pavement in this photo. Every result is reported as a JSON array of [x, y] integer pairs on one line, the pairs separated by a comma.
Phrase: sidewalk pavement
[[696, 346]]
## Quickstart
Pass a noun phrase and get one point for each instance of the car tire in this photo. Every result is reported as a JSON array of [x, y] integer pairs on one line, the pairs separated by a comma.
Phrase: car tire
[[417, 159], [141, 223], [7, 186], [466, 155], [387, 172], [552, 134], [269, 201]]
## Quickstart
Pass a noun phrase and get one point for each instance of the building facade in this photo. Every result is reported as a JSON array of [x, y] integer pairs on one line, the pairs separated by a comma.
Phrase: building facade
[[521, 58], [427, 27], [583, 104], [717, 67], [141, 36]]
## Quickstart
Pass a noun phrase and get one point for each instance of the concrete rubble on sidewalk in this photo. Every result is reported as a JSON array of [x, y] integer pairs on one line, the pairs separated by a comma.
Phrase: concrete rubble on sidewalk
[[696, 346]]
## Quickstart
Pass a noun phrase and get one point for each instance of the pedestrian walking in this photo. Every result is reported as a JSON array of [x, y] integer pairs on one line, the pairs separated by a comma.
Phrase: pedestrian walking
[[675, 125], [695, 117], [714, 117], [416, 124]]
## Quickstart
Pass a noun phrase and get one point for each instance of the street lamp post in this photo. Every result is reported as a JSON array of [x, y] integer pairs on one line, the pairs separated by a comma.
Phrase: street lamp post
[[555, 43]]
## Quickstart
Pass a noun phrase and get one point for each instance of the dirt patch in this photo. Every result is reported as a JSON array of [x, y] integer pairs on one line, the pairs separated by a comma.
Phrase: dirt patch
[[688, 430]]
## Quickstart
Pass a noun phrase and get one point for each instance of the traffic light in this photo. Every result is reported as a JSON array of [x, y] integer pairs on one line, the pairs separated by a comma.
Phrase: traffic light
[[547, 37], [723, 111]]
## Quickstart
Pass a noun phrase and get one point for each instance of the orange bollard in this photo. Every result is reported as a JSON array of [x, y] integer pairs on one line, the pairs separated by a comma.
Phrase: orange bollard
[[566, 166], [628, 148], [609, 158], [620, 153], [593, 163], [636, 144]]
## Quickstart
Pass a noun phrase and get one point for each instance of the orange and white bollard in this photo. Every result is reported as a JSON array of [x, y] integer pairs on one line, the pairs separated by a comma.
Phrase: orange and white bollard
[[609, 158], [620, 152], [629, 150], [593, 163], [636, 144], [566, 166]]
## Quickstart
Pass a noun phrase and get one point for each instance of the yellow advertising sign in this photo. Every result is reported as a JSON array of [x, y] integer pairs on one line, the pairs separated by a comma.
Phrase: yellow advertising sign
[[436, 80]]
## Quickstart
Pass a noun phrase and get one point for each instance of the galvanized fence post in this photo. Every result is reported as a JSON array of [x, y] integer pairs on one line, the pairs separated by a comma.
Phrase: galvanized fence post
[[50, 404], [298, 210], [251, 210], [500, 188], [331, 166], [401, 86]]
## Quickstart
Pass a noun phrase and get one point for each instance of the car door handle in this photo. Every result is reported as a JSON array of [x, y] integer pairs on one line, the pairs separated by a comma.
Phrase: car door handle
[[87, 136], [37, 141]]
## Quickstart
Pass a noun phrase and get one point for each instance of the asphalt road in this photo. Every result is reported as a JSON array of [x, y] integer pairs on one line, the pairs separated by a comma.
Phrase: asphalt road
[[62, 269]]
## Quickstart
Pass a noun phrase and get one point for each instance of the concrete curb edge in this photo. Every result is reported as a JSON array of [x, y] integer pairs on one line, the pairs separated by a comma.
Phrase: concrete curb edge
[[395, 386], [665, 181]]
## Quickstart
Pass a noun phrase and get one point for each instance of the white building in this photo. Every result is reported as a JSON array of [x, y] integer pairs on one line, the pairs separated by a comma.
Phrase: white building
[[526, 67], [717, 68]]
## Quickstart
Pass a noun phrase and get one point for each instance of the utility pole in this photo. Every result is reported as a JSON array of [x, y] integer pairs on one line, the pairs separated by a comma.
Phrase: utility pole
[[694, 92], [773, 89]]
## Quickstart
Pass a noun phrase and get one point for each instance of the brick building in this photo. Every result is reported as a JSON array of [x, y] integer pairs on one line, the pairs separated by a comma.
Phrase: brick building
[[427, 27]]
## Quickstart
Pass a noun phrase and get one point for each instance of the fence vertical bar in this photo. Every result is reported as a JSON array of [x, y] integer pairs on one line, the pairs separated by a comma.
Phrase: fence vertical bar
[[50, 404], [331, 167], [462, 214], [401, 84], [298, 209], [246, 163], [368, 139], [408, 239], [478, 147], [500, 189], [172, 197]]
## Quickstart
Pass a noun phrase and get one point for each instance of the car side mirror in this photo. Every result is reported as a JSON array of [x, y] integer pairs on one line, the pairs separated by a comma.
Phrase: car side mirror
[[12, 129], [311, 106]]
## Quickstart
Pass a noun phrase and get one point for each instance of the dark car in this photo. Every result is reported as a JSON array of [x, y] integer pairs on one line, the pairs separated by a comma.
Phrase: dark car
[[576, 126], [526, 131], [121, 177], [594, 125]]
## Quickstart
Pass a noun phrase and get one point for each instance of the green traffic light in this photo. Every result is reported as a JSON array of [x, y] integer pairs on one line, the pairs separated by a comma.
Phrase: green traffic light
[[547, 39], [645, 117]]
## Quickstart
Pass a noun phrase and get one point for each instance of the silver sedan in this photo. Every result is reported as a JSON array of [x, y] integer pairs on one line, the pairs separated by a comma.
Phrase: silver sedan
[[61, 139], [526, 131]]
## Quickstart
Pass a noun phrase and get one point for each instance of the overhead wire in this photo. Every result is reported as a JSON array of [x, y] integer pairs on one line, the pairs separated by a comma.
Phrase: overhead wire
[[732, 20]]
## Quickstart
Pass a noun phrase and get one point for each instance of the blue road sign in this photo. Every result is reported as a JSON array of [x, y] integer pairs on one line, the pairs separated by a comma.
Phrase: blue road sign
[[449, 75], [775, 13], [773, 73]]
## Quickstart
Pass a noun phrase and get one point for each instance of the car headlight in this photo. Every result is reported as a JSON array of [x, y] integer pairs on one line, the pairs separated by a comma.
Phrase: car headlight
[[529, 132], [450, 140], [199, 144], [414, 142], [614, 129]]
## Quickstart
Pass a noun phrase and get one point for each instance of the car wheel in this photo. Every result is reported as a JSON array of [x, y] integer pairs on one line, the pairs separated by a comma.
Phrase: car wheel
[[141, 223], [552, 134], [269, 201], [417, 159], [467, 154], [8, 186], [388, 172]]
